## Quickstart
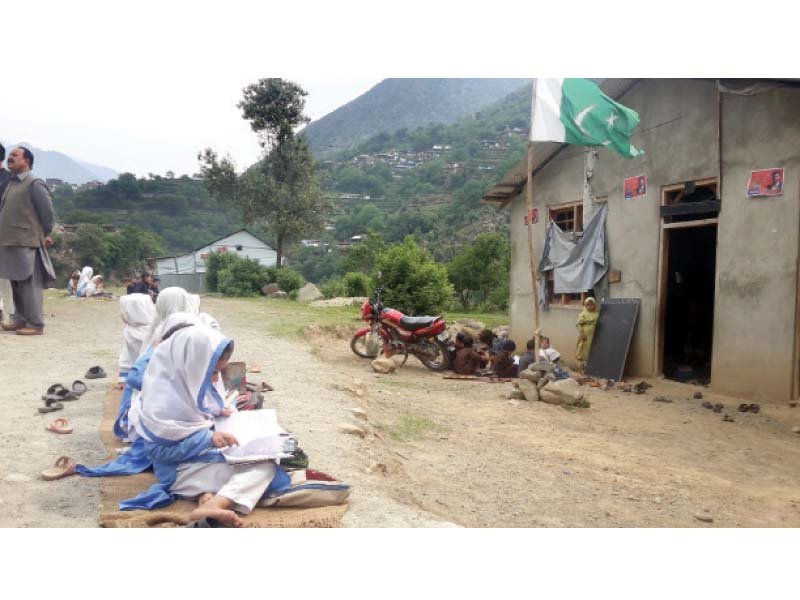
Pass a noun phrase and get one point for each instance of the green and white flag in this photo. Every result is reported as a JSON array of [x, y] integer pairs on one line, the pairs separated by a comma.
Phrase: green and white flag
[[576, 111]]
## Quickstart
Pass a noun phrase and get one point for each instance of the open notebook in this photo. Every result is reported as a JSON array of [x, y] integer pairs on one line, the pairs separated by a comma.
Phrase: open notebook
[[260, 437]]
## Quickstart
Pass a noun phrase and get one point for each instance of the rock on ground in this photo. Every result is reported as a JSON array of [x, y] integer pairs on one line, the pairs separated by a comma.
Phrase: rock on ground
[[309, 293], [528, 389], [384, 365], [565, 391], [531, 375], [278, 294]]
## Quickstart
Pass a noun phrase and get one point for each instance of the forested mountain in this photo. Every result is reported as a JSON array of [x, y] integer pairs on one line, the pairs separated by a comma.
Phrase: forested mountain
[[50, 164], [180, 210], [394, 104]]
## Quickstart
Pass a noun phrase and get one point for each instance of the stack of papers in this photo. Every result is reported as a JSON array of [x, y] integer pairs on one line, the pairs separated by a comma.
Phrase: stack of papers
[[260, 437]]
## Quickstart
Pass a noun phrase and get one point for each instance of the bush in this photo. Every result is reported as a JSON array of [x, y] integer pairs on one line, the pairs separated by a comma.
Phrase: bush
[[241, 277], [413, 282], [333, 288], [216, 262], [289, 280], [357, 284]]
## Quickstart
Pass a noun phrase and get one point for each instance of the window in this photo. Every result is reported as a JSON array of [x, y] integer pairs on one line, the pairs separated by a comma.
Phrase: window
[[570, 219]]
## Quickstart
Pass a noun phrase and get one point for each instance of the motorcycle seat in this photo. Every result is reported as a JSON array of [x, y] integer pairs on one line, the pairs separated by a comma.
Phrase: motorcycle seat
[[414, 323]]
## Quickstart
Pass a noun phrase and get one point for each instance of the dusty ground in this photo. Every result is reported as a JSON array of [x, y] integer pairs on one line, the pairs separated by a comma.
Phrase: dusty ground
[[440, 451]]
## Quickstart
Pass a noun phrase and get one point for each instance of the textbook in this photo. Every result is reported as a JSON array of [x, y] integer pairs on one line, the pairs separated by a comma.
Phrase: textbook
[[260, 436]]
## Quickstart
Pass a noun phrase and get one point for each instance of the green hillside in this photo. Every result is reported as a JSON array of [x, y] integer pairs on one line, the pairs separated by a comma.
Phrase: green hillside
[[397, 103], [180, 210]]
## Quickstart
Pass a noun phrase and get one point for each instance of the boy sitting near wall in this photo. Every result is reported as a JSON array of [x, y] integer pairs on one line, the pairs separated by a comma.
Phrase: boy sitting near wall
[[546, 352], [503, 363], [467, 360], [529, 357]]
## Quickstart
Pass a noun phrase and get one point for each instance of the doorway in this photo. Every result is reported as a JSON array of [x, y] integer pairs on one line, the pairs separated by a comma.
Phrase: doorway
[[688, 278]]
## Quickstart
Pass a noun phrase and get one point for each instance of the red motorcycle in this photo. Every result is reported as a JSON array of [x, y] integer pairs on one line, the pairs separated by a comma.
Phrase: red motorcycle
[[397, 334]]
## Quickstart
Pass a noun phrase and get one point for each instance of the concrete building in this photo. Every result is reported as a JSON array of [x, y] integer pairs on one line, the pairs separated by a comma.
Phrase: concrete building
[[716, 269], [188, 270]]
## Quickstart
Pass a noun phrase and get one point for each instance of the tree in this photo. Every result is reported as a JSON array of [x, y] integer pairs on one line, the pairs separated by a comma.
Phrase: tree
[[90, 245], [274, 108], [282, 192], [413, 281], [482, 270]]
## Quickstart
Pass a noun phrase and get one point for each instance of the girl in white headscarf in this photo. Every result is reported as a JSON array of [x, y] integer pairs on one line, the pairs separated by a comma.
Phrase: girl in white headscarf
[[137, 312], [85, 278], [93, 288], [179, 401], [170, 301]]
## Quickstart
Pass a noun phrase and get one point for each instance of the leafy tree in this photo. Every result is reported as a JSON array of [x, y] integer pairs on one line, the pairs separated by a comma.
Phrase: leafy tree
[[357, 284], [282, 191], [90, 245], [274, 108], [481, 269], [413, 282], [362, 256]]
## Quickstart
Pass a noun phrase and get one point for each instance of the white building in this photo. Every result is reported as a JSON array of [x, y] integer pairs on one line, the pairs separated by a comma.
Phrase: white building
[[188, 270]]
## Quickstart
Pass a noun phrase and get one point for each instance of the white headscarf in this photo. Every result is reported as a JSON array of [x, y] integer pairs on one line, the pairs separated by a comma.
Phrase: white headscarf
[[209, 321], [134, 411], [86, 276], [170, 301], [178, 397], [93, 286], [138, 313]]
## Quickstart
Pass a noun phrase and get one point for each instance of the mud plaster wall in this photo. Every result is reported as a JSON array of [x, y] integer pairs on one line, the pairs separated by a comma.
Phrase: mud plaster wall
[[754, 324], [757, 247]]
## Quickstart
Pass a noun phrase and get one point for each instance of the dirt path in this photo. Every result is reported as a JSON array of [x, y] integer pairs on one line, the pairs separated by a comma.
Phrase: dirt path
[[442, 451]]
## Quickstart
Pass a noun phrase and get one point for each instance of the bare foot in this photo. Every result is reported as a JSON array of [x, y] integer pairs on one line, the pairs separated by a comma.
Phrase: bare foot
[[226, 518], [204, 498]]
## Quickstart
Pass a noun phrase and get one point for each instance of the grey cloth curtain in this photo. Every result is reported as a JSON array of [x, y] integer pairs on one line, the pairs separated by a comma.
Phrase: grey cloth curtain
[[577, 267]]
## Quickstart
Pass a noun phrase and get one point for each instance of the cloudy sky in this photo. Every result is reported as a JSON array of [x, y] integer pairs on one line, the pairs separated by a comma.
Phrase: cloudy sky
[[143, 86]]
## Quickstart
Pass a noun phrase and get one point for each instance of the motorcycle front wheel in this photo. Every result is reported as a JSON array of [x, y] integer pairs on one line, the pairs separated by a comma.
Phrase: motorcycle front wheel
[[367, 345]]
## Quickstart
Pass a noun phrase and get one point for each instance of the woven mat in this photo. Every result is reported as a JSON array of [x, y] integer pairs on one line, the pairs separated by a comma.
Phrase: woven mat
[[116, 489], [476, 378]]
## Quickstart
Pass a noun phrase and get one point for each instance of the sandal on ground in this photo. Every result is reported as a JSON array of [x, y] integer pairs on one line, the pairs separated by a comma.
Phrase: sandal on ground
[[744, 407], [755, 408], [56, 387], [63, 467], [60, 426], [96, 373], [51, 407], [61, 396], [78, 387]]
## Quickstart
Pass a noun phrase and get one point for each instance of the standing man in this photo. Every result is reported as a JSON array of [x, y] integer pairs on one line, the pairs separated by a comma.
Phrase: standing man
[[6, 301], [26, 220]]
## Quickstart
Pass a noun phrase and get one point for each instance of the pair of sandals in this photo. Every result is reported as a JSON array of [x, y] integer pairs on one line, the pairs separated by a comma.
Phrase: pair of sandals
[[57, 393], [753, 408]]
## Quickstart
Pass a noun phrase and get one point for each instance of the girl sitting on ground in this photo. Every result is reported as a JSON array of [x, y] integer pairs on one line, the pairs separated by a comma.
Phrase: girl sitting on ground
[[137, 312], [181, 397]]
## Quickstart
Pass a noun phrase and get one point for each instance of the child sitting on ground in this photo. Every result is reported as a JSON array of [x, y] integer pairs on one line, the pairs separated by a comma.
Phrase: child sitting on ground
[[546, 352], [467, 361], [503, 362], [529, 357]]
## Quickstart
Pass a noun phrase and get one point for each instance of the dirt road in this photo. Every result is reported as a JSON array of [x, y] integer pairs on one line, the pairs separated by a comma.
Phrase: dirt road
[[439, 452]]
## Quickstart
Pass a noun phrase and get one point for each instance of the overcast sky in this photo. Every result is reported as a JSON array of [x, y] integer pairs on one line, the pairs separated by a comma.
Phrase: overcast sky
[[143, 86]]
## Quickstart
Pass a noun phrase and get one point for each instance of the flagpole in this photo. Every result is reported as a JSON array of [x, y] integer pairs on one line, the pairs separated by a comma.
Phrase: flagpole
[[529, 202]]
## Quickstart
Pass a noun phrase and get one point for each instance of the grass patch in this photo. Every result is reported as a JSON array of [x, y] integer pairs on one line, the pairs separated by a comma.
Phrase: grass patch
[[410, 428], [289, 318]]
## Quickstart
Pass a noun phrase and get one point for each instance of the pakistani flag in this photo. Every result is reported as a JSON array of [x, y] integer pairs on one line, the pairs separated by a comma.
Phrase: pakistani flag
[[576, 111]]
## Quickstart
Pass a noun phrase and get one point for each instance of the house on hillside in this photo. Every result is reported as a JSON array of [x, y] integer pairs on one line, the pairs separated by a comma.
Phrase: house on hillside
[[706, 233], [188, 270]]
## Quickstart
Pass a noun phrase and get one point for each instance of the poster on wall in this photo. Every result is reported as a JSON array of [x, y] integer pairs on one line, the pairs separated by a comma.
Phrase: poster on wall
[[532, 216], [765, 182], [635, 186]]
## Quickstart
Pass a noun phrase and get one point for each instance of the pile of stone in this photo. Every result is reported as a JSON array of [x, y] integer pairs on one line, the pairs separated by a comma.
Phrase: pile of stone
[[538, 383]]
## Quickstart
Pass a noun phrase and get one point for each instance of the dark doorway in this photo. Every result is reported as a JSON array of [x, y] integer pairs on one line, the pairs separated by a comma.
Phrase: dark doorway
[[689, 314]]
